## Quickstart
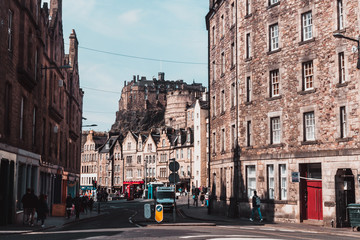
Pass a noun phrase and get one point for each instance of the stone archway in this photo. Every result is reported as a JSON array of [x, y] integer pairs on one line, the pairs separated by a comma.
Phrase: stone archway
[[345, 194]]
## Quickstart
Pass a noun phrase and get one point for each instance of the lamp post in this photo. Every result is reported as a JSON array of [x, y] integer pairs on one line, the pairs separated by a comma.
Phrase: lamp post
[[90, 125], [339, 35]]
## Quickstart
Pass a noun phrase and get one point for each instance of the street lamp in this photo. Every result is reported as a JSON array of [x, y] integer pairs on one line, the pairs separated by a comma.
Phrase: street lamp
[[339, 35], [91, 125]]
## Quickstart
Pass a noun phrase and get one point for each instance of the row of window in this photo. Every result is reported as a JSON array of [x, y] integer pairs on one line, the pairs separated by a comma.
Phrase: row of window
[[308, 80], [309, 130], [180, 154], [88, 169], [306, 24], [87, 180], [273, 177], [274, 37]]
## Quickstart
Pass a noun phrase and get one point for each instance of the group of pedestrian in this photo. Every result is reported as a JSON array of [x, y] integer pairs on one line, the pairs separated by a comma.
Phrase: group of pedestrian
[[34, 205], [102, 196], [78, 204]]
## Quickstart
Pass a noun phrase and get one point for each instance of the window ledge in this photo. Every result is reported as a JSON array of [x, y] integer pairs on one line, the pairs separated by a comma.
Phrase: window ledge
[[273, 5], [274, 51], [343, 139], [273, 98], [344, 84], [248, 15], [307, 41], [249, 147], [277, 145], [310, 142], [248, 103], [248, 59], [340, 30], [304, 92]]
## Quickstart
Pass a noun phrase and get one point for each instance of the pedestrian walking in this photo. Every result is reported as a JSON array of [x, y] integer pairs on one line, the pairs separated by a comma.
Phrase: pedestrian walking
[[202, 198], [29, 201], [84, 204], [69, 204], [255, 207], [42, 209], [77, 204], [91, 204]]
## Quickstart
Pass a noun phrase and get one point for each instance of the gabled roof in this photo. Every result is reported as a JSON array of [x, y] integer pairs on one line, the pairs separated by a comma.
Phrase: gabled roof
[[109, 142]]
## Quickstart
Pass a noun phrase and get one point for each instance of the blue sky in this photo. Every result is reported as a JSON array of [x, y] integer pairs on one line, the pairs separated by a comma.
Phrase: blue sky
[[160, 29]]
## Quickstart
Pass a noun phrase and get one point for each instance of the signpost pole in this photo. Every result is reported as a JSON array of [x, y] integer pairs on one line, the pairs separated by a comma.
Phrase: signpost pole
[[174, 210]]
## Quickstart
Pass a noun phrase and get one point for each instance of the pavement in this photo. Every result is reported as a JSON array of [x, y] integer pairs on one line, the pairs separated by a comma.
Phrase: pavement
[[190, 215], [51, 222], [200, 213]]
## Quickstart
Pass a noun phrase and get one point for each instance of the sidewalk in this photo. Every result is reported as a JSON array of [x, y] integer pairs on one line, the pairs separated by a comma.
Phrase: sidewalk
[[50, 222], [201, 213]]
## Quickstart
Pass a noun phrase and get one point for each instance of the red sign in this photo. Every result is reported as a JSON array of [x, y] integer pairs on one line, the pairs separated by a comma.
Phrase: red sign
[[134, 182]]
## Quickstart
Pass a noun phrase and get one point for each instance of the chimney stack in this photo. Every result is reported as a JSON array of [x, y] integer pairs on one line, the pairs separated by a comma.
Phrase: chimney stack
[[161, 76]]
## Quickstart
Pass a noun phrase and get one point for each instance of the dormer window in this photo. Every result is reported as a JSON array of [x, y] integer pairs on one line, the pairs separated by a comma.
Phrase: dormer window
[[163, 143], [140, 145], [107, 146], [188, 137], [129, 145]]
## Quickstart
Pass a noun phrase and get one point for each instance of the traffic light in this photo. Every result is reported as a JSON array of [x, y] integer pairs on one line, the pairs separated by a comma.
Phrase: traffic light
[[94, 182]]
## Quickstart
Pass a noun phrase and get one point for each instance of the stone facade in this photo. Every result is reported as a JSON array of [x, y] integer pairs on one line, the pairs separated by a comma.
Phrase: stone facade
[[296, 98], [41, 109]]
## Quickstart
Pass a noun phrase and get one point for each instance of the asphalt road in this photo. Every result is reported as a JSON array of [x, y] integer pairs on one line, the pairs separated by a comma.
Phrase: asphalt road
[[120, 220]]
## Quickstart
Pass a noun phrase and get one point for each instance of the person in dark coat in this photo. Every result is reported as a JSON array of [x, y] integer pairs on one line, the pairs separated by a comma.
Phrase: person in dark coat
[[91, 204], [69, 203], [77, 203], [42, 209], [29, 201]]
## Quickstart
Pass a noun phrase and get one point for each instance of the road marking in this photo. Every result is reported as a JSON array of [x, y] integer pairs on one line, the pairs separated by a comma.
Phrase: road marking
[[237, 227], [228, 237], [130, 220]]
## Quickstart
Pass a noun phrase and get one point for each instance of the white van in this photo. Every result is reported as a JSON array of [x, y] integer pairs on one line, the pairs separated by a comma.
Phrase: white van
[[166, 197]]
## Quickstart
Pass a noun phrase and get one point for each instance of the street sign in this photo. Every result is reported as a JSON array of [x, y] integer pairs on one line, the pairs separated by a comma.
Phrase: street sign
[[174, 166], [159, 213], [174, 178], [147, 211], [295, 176]]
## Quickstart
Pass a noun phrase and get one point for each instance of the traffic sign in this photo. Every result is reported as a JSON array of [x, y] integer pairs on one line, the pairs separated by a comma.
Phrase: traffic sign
[[159, 213], [174, 166], [147, 211], [174, 178]]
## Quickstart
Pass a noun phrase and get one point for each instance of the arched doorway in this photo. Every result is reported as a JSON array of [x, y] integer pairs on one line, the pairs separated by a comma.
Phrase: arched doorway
[[345, 194]]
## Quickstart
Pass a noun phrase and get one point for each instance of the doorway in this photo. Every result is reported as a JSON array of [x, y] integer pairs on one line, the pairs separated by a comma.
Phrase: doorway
[[311, 192], [345, 194]]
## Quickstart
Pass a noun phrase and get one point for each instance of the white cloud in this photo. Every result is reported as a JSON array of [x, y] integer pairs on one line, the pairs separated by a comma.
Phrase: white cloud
[[130, 17]]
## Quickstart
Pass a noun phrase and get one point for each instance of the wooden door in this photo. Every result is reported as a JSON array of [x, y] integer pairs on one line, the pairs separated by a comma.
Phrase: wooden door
[[314, 200]]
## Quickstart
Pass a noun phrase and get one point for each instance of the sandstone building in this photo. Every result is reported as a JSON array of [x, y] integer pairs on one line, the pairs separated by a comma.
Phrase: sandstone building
[[284, 100], [136, 158], [40, 107]]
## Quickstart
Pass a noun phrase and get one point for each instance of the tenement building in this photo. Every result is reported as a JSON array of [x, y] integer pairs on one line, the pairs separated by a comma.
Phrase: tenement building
[[284, 116], [40, 106]]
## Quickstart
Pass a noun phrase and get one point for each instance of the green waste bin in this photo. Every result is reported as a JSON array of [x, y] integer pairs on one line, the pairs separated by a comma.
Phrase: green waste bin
[[354, 215]]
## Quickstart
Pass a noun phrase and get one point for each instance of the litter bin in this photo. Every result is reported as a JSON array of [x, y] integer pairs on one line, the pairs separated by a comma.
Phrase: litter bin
[[354, 215]]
